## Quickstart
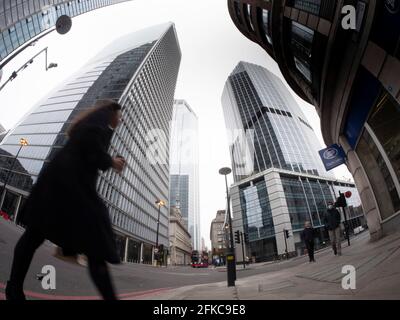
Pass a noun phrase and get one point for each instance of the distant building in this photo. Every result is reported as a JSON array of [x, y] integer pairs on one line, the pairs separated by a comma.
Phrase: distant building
[[218, 237], [184, 167], [180, 246]]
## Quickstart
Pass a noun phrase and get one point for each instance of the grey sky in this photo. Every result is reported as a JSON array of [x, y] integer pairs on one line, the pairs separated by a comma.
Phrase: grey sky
[[211, 47]]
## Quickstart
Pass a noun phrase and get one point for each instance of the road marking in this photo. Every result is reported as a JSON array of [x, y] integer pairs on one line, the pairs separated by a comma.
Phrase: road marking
[[122, 296]]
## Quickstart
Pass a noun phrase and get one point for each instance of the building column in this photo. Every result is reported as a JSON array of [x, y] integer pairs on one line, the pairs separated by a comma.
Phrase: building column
[[141, 253], [280, 212], [237, 221], [126, 250], [17, 208], [368, 201]]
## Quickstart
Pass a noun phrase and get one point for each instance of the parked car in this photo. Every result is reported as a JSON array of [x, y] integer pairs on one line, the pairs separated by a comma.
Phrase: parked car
[[202, 264], [4, 215]]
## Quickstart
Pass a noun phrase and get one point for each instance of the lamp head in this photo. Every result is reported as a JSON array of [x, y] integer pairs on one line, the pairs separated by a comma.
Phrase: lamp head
[[225, 171], [23, 142], [160, 203]]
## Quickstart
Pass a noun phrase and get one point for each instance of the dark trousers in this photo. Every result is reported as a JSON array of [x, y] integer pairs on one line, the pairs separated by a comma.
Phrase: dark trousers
[[23, 254], [310, 249]]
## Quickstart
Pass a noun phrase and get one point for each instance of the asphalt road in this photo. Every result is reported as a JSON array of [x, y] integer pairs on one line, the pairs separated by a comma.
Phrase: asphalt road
[[73, 281]]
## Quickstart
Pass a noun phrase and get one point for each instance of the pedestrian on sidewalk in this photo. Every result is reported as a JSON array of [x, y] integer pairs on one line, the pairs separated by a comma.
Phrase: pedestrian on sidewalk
[[64, 206], [307, 236], [331, 221]]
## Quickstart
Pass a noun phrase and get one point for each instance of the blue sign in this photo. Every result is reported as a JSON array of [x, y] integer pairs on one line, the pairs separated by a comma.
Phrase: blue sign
[[332, 156]]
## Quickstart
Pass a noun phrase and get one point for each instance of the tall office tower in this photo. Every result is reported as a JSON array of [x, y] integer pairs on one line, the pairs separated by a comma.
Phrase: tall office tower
[[21, 21], [280, 181], [260, 111], [351, 75], [184, 168], [140, 71]]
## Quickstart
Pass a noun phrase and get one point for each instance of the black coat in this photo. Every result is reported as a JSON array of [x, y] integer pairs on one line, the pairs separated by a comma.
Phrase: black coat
[[64, 205], [332, 219], [308, 234]]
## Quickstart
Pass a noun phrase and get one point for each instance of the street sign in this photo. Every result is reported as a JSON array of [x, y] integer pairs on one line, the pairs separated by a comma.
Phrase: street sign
[[332, 156], [155, 250]]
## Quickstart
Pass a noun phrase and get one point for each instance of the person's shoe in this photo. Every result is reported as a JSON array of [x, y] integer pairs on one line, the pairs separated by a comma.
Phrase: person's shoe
[[14, 293]]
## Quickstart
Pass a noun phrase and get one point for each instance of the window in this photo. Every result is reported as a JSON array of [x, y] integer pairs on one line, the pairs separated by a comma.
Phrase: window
[[237, 11], [379, 175], [265, 20], [248, 16], [384, 121], [312, 6], [379, 150], [301, 44]]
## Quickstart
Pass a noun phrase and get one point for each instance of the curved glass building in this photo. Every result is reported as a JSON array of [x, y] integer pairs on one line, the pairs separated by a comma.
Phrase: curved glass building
[[280, 180], [140, 71], [21, 21], [266, 126]]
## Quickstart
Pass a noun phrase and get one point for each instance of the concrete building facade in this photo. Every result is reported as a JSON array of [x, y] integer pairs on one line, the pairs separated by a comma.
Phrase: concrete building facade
[[218, 237], [180, 246]]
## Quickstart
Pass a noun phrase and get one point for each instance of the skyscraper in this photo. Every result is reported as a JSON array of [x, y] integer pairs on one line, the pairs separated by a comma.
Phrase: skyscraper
[[266, 126], [280, 181], [21, 21], [184, 168], [140, 71]]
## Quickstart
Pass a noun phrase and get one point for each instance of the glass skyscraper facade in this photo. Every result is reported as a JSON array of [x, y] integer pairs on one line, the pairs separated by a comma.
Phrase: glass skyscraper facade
[[264, 120], [184, 168], [23, 20], [140, 71], [280, 181]]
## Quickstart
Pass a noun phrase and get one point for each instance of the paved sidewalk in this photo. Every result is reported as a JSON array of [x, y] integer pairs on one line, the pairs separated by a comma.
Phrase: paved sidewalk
[[377, 276]]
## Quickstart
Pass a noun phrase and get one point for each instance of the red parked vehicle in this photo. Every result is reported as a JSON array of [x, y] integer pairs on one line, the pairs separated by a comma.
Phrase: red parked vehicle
[[199, 261], [4, 215]]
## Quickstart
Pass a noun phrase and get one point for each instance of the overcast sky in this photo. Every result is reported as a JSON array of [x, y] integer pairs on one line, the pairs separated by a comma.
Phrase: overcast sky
[[211, 48]]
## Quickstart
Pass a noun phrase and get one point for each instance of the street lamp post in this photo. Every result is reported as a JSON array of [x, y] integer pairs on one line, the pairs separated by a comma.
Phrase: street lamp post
[[27, 63], [22, 142], [63, 25], [160, 204], [230, 256]]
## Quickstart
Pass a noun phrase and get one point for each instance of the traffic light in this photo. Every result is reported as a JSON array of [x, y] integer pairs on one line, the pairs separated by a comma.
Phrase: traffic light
[[341, 201], [237, 236], [287, 233], [246, 237]]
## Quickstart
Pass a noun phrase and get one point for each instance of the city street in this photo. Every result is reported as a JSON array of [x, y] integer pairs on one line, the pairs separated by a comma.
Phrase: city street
[[294, 279], [73, 282]]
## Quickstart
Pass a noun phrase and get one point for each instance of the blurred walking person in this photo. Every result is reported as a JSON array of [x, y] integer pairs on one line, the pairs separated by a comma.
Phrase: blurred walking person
[[332, 224], [64, 206], [307, 236]]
